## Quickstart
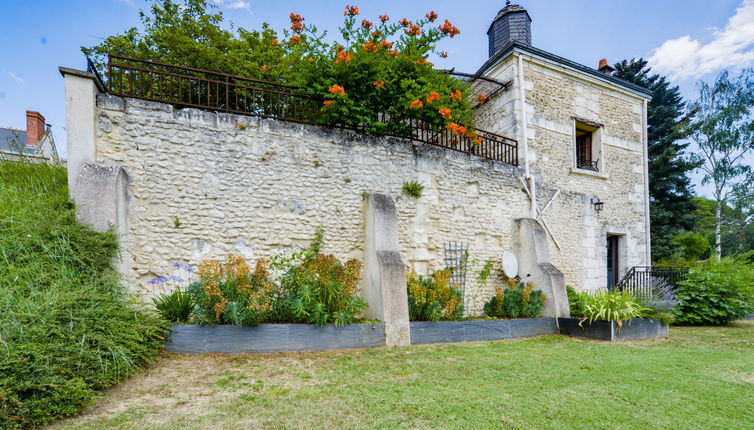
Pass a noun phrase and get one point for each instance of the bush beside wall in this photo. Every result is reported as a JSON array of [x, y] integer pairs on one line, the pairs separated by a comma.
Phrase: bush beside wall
[[67, 329]]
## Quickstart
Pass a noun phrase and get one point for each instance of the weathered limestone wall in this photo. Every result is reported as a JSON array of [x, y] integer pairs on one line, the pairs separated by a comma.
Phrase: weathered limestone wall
[[203, 185], [554, 97]]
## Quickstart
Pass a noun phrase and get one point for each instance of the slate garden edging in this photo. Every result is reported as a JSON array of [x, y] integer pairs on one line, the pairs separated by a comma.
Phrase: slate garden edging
[[426, 332], [232, 339], [637, 328]]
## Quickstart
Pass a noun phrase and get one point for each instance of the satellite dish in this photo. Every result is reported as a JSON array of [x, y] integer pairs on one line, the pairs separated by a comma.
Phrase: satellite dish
[[510, 264]]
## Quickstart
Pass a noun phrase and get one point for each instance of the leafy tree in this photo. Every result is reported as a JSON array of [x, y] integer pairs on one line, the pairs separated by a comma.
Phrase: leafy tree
[[670, 193], [723, 129], [693, 245], [377, 77], [737, 229]]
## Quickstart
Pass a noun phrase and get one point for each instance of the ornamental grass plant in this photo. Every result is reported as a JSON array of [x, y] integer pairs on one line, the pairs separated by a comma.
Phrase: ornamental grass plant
[[67, 327]]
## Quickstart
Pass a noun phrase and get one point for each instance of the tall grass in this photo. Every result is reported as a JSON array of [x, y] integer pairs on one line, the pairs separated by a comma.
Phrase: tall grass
[[67, 328]]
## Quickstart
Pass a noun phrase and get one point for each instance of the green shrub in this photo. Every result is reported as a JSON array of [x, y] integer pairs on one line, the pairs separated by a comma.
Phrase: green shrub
[[518, 300], [574, 302], [313, 288], [606, 305], [716, 293], [67, 328], [174, 307], [433, 298]]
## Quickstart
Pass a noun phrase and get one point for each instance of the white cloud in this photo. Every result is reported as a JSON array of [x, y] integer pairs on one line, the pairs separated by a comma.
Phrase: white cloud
[[16, 78], [731, 47], [234, 4]]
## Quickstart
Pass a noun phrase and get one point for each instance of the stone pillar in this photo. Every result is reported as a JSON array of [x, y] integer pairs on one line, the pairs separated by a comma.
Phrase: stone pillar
[[533, 254], [101, 197], [80, 107], [384, 286]]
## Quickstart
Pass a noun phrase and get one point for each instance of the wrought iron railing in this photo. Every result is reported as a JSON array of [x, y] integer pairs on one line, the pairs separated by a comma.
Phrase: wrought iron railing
[[639, 280], [583, 163], [203, 89]]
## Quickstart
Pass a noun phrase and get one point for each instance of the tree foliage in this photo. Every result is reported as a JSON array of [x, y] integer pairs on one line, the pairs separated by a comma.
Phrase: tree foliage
[[670, 190], [376, 77], [723, 129]]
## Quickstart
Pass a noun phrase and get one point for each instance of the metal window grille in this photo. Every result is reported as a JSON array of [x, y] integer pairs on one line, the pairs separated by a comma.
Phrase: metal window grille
[[457, 258]]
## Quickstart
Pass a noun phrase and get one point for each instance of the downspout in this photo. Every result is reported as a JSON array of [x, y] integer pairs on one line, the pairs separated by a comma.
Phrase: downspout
[[525, 139], [647, 221]]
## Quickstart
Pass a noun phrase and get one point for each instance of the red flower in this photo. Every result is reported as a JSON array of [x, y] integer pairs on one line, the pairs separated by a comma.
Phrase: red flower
[[414, 29], [296, 17], [448, 29], [384, 18], [452, 127], [445, 112], [392, 52], [264, 68], [376, 33], [416, 104], [432, 16], [297, 27], [386, 44], [404, 22], [370, 47], [351, 11], [422, 62], [366, 24], [457, 96], [433, 97], [328, 104], [481, 98], [295, 40], [478, 139], [337, 90], [443, 54], [379, 84], [275, 42], [343, 57]]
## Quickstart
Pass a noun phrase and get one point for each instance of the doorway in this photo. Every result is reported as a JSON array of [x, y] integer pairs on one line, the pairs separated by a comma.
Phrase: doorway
[[613, 263]]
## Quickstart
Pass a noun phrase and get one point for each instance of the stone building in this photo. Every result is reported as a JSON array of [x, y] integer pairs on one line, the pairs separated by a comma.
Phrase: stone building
[[184, 184]]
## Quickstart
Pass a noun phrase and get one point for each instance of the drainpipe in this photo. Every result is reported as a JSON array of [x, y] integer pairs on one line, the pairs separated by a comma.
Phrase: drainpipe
[[525, 139], [647, 220]]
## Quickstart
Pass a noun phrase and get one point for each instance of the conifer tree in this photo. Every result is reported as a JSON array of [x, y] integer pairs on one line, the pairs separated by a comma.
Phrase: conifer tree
[[670, 189]]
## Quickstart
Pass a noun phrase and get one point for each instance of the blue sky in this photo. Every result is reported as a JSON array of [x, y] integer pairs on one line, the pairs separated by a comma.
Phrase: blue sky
[[686, 39]]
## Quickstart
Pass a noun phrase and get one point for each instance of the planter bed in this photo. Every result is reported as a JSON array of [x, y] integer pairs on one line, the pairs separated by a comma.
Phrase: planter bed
[[425, 332], [749, 317], [608, 330], [230, 339]]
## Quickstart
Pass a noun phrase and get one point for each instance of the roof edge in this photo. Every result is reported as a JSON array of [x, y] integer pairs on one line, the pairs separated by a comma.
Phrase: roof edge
[[512, 46]]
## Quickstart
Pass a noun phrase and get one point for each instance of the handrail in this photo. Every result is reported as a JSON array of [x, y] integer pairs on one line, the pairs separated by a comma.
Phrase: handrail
[[180, 86], [639, 279]]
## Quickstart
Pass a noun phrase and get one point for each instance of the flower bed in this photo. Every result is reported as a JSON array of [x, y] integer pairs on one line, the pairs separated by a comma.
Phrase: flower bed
[[637, 328]]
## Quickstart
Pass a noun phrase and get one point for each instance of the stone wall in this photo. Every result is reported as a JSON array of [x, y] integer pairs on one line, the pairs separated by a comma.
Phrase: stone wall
[[204, 184]]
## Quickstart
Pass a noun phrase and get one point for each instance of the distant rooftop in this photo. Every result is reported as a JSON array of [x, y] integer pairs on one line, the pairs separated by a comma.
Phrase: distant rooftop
[[13, 140]]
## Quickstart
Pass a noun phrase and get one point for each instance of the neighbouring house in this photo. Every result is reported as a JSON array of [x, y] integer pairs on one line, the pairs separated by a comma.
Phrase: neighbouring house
[[35, 143], [565, 190]]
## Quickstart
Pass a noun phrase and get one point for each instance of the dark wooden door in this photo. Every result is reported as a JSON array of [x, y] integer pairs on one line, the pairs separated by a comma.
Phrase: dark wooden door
[[613, 265]]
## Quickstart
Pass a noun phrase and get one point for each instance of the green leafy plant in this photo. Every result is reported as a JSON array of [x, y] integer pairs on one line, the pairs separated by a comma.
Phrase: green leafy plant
[[517, 300], [413, 189], [174, 307], [574, 302], [67, 326], [433, 298], [312, 288], [715, 293], [606, 305]]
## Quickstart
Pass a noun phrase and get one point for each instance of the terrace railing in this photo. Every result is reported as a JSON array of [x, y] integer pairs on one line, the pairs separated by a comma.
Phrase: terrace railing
[[639, 279], [203, 89]]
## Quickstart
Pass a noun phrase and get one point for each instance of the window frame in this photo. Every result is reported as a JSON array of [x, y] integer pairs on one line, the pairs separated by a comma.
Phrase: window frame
[[595, 148]]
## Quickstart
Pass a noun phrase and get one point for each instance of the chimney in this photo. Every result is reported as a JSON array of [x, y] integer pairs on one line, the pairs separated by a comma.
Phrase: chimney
[[35, 128], [605, 68], [511, 23]]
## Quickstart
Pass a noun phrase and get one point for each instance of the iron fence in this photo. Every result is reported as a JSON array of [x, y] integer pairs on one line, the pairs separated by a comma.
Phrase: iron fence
[[203, 89], [640, 279]]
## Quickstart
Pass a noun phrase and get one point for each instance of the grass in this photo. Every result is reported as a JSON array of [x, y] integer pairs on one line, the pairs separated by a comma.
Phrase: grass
[[698, 378], [67, 327]]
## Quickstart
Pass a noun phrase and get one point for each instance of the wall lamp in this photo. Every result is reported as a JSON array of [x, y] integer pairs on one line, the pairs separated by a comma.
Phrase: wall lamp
[[597, 203]]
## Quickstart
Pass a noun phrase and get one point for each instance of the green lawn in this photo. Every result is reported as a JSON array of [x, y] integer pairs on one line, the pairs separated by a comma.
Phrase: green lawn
[[698, 378]]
